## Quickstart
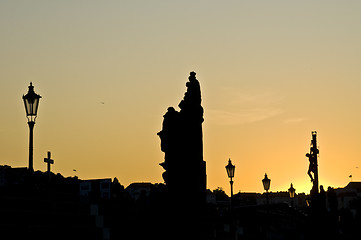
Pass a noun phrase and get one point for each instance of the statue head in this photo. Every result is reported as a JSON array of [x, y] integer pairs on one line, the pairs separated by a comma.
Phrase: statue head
[[192, 76]]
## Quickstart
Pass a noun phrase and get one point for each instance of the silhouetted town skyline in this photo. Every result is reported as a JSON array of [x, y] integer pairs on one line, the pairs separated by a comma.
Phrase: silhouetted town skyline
[[180, 120]]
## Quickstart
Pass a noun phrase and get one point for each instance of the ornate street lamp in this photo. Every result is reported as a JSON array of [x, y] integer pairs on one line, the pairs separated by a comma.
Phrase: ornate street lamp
[[292, 191], [230, 168], [266, 182], [230, 172], [31, 102], [266, 185]]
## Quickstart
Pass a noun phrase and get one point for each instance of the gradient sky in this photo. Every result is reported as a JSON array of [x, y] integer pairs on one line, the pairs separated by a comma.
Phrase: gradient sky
[[271, 72]]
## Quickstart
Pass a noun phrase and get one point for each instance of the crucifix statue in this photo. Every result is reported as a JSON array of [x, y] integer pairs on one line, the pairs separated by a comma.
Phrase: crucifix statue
[[313, 167], [49, 161]]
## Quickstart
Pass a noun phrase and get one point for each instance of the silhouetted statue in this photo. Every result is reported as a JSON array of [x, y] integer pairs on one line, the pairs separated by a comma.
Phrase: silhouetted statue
[[313, 167], [318, 213], [182, 143], [322, 197]]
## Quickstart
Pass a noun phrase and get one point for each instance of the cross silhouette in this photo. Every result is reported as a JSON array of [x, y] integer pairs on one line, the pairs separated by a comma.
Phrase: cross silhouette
[[49, 161]]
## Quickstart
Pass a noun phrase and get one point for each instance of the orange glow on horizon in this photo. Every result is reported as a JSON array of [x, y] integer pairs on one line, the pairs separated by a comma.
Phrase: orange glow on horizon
[[270, 74]]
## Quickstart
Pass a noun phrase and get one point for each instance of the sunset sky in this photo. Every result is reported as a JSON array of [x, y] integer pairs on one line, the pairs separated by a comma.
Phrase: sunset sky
[[271, 72]]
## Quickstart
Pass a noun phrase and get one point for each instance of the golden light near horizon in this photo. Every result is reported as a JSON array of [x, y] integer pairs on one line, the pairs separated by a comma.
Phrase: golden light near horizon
[[270, 74]]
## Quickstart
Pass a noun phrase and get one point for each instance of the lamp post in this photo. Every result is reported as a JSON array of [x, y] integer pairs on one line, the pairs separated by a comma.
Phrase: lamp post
[[266, 185], [230, 168], [31, 102], [292, 191]]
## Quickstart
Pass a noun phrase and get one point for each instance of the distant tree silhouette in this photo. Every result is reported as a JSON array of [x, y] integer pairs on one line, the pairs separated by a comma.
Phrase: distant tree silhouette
[[220, 194]]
